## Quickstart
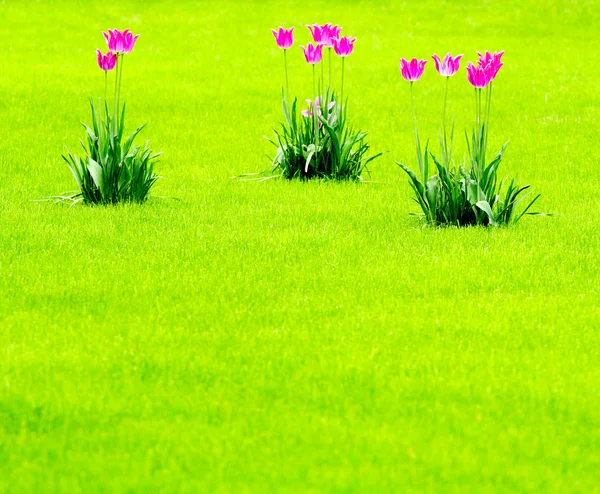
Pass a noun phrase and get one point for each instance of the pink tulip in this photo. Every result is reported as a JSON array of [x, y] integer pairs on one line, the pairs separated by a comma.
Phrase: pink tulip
[[332, 32], [478, 76], [312, 53], [449, 66], [284, 37], [413, 70], [343, 46], [491, 62], [106, 62], [319, 33], [120, 42]]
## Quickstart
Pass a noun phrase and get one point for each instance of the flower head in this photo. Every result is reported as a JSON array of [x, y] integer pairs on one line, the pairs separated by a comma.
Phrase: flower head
[[413, 70], [449, 66], [284, 37], [478, 76], [491, 62], [312, 53], [324, 35], [106, 62], [343, 46], [120, 42]]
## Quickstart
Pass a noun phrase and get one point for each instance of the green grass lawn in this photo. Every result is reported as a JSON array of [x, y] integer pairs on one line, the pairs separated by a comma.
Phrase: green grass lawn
[[297, 337]]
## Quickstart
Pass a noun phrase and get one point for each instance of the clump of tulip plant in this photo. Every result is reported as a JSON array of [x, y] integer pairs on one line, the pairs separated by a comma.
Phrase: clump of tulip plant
[[112, 169], [468, 193], [317, 141]]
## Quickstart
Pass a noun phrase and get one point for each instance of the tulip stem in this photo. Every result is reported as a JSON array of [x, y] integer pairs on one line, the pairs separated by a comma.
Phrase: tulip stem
[[444, 123], [322, 72], [105, 84], [487, 114], [120, 78], [418, 144], [330, 83], [342, 93], [115, 116], [316, 118], [287, 85]]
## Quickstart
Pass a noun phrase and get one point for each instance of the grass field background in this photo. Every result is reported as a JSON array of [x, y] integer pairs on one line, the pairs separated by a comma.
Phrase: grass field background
[[296, 337]]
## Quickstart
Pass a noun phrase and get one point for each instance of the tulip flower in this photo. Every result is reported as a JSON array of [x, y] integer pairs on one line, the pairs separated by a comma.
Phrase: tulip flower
[[413, 70], [478, 76], [319, 33], [331, 33], [284, 37], [449, 66], [492, 63], [343, 46], [120, 42], [313, 53], [106, 62], [324, 35]]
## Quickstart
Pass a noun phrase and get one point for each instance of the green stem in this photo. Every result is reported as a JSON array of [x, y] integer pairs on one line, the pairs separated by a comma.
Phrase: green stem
[[120, 78], [444, 121], [418, 145], [342, 94], [105, 84], [330, 83], [322, 74], [487, 115], [315, 117], [116, 114], [287, 85]]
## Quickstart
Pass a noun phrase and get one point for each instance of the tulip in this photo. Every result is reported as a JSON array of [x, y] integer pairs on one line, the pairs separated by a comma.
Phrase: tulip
[[492, 63], [319, 33], [343, 46], [312, 53], [120, 42], [478, 76], [106, 62], [413, 70], [331, 33], [284, 37], [449, 66]]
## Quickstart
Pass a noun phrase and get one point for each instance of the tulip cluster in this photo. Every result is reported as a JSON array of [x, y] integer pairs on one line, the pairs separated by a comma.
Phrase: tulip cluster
[[119, 44], [320, 145], [324, 36], [114, 169], [465, 195]]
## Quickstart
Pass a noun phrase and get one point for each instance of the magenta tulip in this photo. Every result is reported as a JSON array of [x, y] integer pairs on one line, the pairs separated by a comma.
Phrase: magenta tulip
[[491, 62], [312, 53], [106, 62], [331, 33], [284, 37], [449, 66], [120, 42], [478, 76], [319, 33], [413, 70], [343, 46]]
